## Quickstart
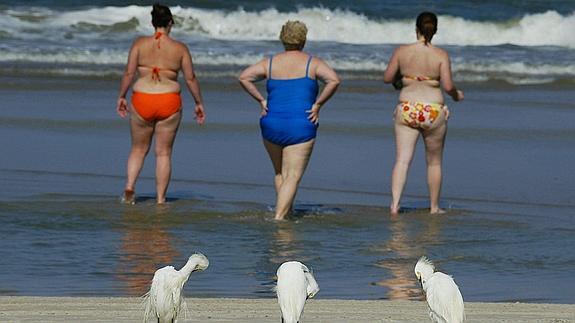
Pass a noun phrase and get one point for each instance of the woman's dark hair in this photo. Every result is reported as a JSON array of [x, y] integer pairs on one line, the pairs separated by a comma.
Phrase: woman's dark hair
[[161, 16], [427, 25]]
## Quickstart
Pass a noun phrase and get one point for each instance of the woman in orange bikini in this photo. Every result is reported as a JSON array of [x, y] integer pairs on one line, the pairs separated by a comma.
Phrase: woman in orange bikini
[[156, 105], [420, 70]]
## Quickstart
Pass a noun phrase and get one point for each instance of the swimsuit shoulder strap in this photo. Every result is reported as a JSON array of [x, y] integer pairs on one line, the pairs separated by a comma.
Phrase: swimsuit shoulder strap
[[270, 67], [157, 37], [307, 66]]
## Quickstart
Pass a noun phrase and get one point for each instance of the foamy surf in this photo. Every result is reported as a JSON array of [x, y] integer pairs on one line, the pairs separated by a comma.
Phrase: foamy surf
[[535, 48], [548, 28]]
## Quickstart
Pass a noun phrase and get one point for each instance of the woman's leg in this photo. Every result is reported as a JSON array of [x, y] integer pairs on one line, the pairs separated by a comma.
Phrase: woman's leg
[[275, 152], [141, 132], [405, 141], [165, 132], [294, 162], [434, 142]]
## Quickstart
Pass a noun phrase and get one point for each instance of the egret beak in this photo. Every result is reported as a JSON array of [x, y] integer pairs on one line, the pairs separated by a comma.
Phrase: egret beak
[[419, 280]]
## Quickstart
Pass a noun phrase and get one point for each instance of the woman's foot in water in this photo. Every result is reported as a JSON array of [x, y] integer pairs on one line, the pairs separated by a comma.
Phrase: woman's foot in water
[[437, 211], [129, 197], [282, 217], [394, 209]]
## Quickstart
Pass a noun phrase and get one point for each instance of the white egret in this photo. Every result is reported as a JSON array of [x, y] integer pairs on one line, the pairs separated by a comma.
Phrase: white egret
[[295, 285], [165, 300], [443, 297]]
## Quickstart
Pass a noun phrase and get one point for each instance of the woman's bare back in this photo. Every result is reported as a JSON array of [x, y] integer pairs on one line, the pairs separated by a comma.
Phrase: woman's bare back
[[291, 65], [420, 67], [159, 61]]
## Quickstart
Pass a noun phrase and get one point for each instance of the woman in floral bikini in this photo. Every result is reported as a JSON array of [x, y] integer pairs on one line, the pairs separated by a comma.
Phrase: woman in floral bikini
[[420, 70]]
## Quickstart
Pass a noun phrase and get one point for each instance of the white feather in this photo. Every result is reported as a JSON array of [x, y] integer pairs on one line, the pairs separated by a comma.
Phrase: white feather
[[443, 297], [295, 285], [165, 300]]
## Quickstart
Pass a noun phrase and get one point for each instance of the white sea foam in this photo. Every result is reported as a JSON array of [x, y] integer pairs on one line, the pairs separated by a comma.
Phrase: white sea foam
[[541, 29], [516, 68], [104, 57], [549, 28], [469, 70], [101, 36]]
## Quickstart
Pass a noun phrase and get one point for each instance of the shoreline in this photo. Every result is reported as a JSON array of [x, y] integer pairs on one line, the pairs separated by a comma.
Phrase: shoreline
[[130, 309]]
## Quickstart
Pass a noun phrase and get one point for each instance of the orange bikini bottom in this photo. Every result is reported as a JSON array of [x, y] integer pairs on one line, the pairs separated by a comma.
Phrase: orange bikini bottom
[[156, 106]]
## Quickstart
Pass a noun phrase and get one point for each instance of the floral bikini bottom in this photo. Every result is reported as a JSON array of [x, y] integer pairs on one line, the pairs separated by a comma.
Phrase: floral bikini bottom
[[420, 114]]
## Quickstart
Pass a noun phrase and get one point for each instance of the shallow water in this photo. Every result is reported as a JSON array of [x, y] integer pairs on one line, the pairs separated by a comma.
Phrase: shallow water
[[65, 244], [508, 188]]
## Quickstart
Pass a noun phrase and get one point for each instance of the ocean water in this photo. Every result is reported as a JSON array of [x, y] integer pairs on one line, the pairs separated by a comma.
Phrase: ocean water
[[508, 182], [519, 42]]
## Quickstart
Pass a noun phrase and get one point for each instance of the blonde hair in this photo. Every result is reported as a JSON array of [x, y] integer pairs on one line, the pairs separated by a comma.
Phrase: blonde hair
[[293, 35]]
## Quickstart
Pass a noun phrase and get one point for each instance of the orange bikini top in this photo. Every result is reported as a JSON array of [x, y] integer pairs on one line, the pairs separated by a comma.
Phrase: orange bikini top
[[421, 78], [155, 69], [157, 37]]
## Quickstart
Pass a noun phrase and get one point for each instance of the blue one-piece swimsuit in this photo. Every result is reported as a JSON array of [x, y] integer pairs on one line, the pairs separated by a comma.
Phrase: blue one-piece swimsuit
[[286, 122]]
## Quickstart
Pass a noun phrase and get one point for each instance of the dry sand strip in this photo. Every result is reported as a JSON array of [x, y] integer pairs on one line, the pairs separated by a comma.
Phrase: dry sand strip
[[120, 309]]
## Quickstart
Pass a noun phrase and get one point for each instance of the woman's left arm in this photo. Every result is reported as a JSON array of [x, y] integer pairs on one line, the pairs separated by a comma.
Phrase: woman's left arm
[[249, 76], [193, 85]]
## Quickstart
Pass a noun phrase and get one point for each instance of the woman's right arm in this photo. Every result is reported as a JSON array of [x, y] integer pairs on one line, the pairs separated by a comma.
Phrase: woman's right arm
[[447, 80], [193, 85], [127, 78], [392, 73], [249, 76]]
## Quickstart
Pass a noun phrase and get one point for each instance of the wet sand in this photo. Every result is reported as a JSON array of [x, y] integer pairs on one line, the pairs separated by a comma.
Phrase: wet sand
[[121, 309]]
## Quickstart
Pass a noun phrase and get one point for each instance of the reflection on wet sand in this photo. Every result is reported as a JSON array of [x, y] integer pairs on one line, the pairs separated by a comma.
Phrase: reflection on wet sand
[[145, 247], [407, 243]]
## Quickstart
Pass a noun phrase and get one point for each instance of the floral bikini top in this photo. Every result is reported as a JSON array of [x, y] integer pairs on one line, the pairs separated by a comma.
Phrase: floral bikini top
[[421, 78]]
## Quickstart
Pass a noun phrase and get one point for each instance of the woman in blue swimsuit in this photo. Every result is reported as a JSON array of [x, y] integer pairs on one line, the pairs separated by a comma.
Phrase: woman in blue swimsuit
[[290, 114]]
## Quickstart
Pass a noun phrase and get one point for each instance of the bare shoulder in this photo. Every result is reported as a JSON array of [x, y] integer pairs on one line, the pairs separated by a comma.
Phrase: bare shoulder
[[181, 46], [140, 40], [406, 47], [318, 63], [317, 60], [403, 47], [401, 50], [442, 53]]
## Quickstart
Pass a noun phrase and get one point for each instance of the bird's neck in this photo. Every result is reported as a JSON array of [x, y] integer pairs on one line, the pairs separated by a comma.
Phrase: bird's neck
[[426, 276], [188, 268]]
